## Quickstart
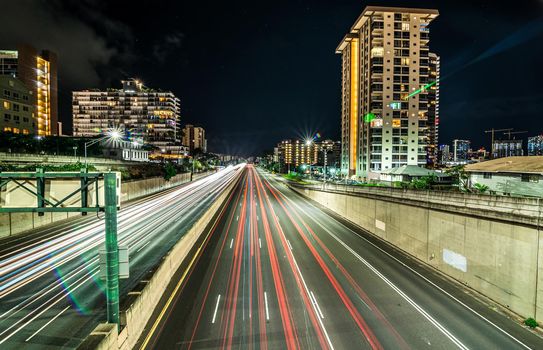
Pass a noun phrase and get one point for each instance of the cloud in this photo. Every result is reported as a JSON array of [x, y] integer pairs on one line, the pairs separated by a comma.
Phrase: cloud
[[68, 29], [163, 48]]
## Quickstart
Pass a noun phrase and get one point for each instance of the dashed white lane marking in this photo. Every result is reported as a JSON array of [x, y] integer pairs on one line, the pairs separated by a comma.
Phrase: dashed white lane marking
[[216, 308], [314, 301], [231, 242], [259, 243], [266, 302], [289, 245]]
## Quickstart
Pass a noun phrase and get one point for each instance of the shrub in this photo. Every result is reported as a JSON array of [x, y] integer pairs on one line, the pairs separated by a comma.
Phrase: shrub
[[480, 187], [530, 322]]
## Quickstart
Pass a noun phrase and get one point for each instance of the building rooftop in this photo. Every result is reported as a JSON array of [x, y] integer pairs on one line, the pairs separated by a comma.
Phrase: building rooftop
[[527, 164], [370, 11], [412, 170]]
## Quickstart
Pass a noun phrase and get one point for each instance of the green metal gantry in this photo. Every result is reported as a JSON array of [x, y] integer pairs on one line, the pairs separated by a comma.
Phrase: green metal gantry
[[44, 205]]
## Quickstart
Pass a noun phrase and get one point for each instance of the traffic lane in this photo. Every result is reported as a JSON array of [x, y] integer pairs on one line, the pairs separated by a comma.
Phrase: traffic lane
[[31, 327], [360, 324], [44, 234], [318, 295], [470, 329], [377, 304], [191, 303]]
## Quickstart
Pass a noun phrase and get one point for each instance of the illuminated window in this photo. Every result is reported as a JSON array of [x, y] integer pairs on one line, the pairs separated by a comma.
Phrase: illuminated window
[[7, 105], [377, 123], [377, 52], [395, 105], [405, 26], [25, 131], [405, 61], [396, 123], [7, 129]]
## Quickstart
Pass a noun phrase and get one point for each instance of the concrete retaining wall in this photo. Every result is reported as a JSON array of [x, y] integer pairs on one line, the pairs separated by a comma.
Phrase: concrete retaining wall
[[496, 251], [144, 299], [18, 223]]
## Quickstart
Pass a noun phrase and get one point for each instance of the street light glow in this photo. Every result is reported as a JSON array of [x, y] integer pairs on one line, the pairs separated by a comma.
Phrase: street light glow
[[308, 142]]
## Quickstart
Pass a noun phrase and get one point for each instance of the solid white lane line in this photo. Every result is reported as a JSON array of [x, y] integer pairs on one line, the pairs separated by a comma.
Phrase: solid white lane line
[[289, 245], [316, 304], [423, 277], [259, 243], [45, 325], [231, 242], [266, 302], [216, 308], [143, 246]]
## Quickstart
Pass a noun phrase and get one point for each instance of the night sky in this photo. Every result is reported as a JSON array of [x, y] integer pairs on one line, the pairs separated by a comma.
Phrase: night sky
[[255, 72]]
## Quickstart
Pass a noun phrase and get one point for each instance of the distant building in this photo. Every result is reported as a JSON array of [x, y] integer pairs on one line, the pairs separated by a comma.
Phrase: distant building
[[390, 91], [521, 176], [17, 111], [478, 155], [507, 148], [293, 153], [194, 137], [408, 173], [147, 115], [535, 145], [460, 150], [38, 72], [124, 150], [444, 153], [330, 154]]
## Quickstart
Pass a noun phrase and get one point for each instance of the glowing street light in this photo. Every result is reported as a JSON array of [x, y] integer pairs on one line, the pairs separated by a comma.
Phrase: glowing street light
[[112, 134]]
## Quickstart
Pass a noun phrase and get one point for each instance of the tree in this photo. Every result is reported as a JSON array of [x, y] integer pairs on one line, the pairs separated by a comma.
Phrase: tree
[[169, 171], [460, 177]]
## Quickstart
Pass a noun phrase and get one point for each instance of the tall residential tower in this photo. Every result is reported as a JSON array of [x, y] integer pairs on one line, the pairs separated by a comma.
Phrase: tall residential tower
[[390, 91], [37, 70]]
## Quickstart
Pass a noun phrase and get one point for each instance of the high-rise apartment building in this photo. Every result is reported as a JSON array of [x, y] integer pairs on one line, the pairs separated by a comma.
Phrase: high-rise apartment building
[[460, 150], [145, 114], [293, 153], [535, 145], [38, 72], [194, 137], [390, 83]]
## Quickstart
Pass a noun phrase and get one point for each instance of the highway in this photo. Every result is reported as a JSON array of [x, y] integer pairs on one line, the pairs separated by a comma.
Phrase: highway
[[279, 272], [51, 294]]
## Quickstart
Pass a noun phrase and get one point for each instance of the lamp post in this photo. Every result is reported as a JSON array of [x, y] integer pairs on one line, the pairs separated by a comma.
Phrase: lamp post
[[113, 135]]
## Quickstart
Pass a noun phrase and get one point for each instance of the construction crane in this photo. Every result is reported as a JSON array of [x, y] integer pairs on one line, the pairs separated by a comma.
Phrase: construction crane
[[492, 131], [509, 133]]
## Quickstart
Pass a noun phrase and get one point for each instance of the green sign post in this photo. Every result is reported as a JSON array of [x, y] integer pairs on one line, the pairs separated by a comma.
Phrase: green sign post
[[43, 205], [112, 248]]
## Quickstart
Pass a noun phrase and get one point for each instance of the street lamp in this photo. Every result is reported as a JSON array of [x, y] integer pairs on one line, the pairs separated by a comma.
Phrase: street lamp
[[111, 134]]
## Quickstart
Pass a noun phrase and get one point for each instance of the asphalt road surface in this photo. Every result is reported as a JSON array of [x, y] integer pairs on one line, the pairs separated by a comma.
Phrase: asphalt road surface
[[278, 272], [51, 294]]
